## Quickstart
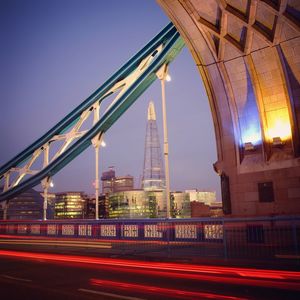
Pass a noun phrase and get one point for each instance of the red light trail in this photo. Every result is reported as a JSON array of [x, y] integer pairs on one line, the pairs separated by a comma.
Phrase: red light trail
[[218, 274], [53, 242], [106, 240]]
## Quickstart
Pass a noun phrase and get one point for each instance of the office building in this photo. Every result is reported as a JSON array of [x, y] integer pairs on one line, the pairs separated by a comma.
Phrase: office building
[[103, 207], [70, 205], [107, 179], [206, 197], [180, 205], [147, 204], [26, 206], [113, 184], [153, 172], [129, 204]]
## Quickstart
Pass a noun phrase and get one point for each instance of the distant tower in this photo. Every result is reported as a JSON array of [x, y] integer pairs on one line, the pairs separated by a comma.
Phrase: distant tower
[[153, 174]]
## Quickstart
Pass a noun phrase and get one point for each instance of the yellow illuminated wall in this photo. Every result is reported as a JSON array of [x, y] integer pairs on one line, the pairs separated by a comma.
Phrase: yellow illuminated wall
[[278, 124], [274, 97]]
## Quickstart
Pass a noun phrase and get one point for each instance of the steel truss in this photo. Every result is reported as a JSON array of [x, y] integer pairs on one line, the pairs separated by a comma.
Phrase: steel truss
[[74, 133]]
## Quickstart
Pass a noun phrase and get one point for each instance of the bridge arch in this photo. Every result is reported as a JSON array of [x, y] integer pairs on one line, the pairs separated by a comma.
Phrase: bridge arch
[[248, 55]]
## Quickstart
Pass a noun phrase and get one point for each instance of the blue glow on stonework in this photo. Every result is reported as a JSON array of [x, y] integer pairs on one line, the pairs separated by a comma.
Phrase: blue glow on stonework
[[249, 116], [251, 134]]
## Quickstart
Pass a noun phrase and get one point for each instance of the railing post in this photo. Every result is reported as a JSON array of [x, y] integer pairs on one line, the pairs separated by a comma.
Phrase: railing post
[[5, 203], [295, 239], [224, 240], [5, 208], [122, 238], [168, 237]]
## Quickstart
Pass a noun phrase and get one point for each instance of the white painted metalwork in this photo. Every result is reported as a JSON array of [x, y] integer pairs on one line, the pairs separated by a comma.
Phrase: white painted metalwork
[[45, 184], [15, 175], [162, 75]]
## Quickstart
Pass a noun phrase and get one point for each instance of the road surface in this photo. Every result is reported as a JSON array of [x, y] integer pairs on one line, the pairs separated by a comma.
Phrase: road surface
[[41, 275]]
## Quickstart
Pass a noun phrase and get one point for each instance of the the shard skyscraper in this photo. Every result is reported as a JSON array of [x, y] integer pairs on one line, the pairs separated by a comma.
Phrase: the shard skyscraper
[[153, 173]]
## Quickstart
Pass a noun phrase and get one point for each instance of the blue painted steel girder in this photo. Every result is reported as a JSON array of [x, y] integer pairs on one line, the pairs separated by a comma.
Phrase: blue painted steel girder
[[172, 46]]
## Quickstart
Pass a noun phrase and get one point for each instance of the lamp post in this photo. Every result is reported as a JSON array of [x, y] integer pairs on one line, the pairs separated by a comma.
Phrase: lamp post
[[97, 146], [46, 183], [163, 76], [5, 209], [97, 141]]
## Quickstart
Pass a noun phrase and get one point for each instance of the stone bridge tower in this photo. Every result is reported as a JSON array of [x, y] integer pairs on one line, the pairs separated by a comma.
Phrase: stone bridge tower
[[248, 56]]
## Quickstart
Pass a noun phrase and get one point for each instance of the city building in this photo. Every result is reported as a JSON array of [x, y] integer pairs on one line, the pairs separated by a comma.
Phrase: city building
[[157, 203], [26, 206], [180, 205], [147, 204], [107, 179], [137, 204], [200, 209], [129, 204], [113, 184], [123, 183], [153, 172], [203, 204], [103, 207], [70, 205], [206, 197]]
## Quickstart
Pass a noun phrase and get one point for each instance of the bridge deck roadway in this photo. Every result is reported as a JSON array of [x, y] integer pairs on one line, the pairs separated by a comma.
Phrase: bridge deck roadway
[[184, 252], [38, 273]]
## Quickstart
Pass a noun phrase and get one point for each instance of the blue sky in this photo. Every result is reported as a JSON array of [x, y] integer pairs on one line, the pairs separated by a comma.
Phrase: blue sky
[[54, 54]]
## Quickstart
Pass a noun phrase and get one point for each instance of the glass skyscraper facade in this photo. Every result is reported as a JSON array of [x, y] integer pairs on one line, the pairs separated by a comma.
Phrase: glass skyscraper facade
[[70, 205], [26, 206]]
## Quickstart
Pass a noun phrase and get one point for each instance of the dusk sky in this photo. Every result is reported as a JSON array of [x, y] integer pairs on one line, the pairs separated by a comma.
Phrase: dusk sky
[[54, 54]]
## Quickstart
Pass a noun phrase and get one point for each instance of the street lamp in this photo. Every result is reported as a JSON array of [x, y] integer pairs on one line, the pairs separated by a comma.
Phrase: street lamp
[[163, 76], [46, 183], [101, 143]]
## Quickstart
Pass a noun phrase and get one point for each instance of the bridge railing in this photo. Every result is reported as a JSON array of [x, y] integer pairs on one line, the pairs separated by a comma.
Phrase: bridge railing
[[268, 238]]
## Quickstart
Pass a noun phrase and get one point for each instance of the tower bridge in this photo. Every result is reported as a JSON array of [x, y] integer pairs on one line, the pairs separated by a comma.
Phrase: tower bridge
[[38, 162], [248, 56]]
